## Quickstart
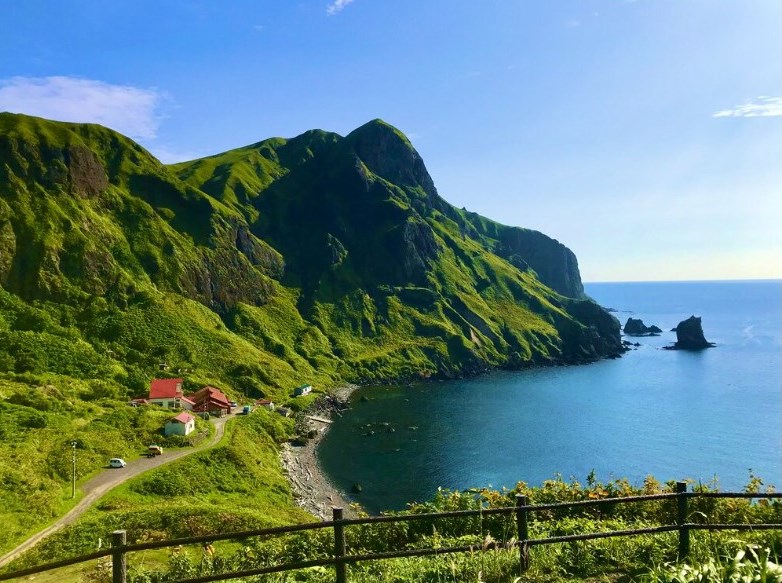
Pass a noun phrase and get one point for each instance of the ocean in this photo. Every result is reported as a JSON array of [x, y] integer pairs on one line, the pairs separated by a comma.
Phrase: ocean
[[708, 415]]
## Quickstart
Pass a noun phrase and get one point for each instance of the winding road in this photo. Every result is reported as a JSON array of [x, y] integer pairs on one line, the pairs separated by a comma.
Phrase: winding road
[[108, 479]]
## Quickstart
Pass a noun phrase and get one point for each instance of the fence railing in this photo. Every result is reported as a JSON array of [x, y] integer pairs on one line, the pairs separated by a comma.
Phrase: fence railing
[[119, 548]]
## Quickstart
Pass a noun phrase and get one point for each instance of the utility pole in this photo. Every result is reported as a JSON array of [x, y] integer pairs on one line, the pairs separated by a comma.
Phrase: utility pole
[[73, 473]]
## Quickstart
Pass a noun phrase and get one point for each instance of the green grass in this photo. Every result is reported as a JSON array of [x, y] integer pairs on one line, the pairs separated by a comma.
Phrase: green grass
[[317, 259], [235, 485], [714, 557]]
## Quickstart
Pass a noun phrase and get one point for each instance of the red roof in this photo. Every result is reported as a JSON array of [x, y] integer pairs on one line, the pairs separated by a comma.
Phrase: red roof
[[183, 417], [209, 399], [165, 389]]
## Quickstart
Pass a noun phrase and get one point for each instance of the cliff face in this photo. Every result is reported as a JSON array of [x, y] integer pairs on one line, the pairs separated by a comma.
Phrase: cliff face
[[321, 256], [553, 263]]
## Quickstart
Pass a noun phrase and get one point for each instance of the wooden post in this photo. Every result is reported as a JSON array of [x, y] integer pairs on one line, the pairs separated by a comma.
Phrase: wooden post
[[119, 567], [523, 532], [681, 520], [339, 545]]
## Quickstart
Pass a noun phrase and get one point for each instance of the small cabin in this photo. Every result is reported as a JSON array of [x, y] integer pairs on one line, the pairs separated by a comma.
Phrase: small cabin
[[302, 390], [182, 424]]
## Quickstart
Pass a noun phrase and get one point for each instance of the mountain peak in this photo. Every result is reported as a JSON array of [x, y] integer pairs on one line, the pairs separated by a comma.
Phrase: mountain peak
[[388, 153]]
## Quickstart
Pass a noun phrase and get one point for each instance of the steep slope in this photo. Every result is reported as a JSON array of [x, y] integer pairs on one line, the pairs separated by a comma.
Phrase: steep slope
[[398, 279], [96, 213], [101, 243], [319, 258]]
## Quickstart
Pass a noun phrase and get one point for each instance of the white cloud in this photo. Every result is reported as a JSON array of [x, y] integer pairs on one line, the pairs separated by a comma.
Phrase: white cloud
[[762, 106], [337, 6], [129, 110], [172, 156]]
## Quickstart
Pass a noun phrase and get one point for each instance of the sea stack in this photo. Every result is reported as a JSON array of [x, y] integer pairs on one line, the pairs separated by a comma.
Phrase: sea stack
[[636, 327], [689, 335]]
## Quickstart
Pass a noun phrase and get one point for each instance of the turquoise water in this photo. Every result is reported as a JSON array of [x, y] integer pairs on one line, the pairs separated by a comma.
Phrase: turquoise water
[[673, 414]]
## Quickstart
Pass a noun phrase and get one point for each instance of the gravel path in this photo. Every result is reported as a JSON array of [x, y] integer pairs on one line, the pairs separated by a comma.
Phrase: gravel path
[[108, 479]]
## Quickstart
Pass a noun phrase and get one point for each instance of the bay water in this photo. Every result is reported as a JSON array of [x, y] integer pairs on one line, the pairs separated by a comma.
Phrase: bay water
[[715, 413]]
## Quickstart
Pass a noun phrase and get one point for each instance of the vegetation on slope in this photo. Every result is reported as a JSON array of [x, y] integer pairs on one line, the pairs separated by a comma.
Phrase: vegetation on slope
[[642, 558], [318, 259], [236, 485]]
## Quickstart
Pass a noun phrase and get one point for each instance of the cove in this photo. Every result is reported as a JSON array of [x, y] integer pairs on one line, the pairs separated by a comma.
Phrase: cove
[[672, 414]]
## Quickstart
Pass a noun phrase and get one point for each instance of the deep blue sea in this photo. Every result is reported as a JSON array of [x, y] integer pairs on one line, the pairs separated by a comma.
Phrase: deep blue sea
[[672, 414]]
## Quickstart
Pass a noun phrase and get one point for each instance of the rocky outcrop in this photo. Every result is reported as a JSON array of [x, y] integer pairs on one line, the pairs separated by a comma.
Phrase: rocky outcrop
[[689, 335], [603, 328], [636, 327], [526, 249], [389, 154], [555, 264]]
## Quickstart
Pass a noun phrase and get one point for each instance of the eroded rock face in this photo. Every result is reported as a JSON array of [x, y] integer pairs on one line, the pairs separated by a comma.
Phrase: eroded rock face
[[555, 264], [87, 174], [689, 335]]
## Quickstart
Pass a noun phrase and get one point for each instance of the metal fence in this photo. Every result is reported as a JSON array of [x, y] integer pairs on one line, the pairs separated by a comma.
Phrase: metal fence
[[340, 559]]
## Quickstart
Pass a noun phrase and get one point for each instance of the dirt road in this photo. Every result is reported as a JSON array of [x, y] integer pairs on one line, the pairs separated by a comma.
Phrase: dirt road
[[99, 485]]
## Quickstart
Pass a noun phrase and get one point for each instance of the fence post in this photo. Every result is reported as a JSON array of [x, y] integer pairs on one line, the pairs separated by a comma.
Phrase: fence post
[[523, 532], [681, 520], [119, 566], [339, 545]]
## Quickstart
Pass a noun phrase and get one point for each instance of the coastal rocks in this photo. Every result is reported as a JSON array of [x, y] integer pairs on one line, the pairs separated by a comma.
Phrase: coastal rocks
[[312, 490], [636, 327], [689, 335]]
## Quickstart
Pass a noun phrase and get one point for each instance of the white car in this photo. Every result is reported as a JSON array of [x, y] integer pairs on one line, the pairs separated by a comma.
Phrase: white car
[[117, 462]]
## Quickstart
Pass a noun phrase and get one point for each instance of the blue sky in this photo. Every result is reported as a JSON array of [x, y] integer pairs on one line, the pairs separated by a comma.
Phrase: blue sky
[[644, 135]]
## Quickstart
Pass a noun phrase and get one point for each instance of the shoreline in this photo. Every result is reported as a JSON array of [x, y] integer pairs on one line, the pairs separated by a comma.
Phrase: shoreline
[[312, 490]]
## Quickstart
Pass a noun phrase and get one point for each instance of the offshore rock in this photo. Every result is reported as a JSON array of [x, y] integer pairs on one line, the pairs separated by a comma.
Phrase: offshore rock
[[689, 335], [636, 327]]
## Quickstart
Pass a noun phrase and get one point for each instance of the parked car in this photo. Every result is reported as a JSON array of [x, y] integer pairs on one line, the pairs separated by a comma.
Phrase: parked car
[[154, 450], [117, 462], [233, 404]]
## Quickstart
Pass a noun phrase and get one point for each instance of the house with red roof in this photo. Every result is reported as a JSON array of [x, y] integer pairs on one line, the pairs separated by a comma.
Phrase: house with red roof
[[210, 400], [182, 424], [168, 394]]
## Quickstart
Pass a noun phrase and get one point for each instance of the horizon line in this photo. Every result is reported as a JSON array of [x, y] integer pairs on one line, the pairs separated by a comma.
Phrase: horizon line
[[740, 280]]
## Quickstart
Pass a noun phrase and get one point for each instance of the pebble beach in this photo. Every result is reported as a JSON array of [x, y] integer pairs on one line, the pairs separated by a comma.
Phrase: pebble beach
[[311, 488]]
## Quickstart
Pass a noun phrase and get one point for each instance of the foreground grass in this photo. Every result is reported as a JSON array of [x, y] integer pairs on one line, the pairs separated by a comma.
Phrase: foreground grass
[[641, 558]]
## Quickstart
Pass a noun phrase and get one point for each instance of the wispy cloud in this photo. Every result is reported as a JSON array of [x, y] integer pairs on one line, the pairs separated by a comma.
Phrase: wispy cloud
[[130, 110], [337, 6], [172, 155], [762, 106]]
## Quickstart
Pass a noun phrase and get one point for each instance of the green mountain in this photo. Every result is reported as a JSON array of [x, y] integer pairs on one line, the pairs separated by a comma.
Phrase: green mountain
[[320, 258]]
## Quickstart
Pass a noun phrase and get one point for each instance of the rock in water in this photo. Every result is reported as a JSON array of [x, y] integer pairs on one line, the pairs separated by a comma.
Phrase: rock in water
[[689, 335], [636, 327]]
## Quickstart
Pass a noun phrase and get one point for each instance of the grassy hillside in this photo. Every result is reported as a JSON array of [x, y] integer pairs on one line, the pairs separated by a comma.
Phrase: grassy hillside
[[318, 259]]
